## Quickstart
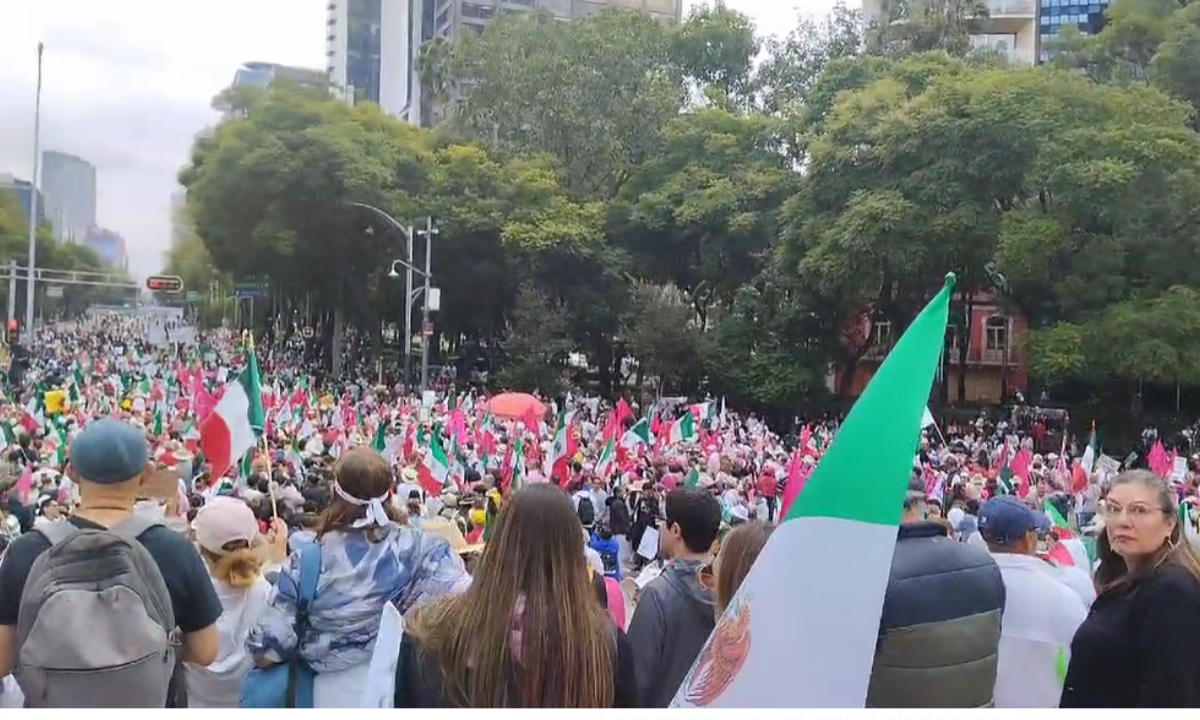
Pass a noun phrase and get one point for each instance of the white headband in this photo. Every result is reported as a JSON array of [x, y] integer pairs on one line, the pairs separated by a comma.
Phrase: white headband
[[374, 513]]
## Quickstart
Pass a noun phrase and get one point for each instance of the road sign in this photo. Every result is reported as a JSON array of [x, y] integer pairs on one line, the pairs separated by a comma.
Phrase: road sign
[[427, 329], [164, 283], [192, 295], [54, 291]]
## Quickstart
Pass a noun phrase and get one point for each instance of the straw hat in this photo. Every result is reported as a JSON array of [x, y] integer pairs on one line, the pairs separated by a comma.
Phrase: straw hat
[[448, 531]]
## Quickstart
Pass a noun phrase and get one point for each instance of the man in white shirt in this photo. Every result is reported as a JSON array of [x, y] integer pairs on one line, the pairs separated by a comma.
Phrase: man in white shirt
[[1041, 614], [1074, 577]]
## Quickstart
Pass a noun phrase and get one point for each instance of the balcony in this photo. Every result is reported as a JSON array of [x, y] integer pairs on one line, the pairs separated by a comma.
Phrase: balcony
[[1011, 8]]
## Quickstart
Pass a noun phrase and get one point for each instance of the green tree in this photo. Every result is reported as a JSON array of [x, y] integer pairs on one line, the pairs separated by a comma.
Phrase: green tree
[[536, 344], [592, 94], [270, 195]]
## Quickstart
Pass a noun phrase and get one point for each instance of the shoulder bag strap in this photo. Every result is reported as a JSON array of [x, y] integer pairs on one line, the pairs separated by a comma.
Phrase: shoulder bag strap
[[310, 573]]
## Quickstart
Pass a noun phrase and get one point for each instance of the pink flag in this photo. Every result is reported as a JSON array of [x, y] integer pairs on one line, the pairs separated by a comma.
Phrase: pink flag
[[203, 403], [24, 485], [795, 481], [1158, 460]]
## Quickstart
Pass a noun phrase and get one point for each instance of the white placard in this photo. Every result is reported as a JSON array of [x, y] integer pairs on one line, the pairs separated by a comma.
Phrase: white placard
[[648, 547], [380, 691], [1178, 470]]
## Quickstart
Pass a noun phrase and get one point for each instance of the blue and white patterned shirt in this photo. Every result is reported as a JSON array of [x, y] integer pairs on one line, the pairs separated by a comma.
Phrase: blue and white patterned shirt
[[358, 576]]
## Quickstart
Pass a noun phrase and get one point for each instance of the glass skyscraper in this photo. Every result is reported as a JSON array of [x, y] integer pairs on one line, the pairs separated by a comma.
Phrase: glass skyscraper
[[1053, 15]]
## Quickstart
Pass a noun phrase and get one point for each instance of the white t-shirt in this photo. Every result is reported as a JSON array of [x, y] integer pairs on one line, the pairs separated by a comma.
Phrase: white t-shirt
[[218, 685], [1041, 615]]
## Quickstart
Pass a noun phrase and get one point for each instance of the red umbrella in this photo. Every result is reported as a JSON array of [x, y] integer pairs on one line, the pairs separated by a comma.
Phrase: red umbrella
[[515, 405]]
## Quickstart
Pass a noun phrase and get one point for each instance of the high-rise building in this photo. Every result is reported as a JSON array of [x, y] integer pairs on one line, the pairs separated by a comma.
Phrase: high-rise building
[[109, 245], [69, 185], [262, 74], [1087, 16], [1011, 27], [24, 191], [372, 46]]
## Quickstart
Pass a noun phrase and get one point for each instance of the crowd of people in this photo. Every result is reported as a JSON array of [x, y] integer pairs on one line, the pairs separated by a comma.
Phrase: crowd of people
[[455, 549]]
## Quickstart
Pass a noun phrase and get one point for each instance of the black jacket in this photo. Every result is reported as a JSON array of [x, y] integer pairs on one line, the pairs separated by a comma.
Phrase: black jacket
[[940, 630], [1139, 646], [419, 683]]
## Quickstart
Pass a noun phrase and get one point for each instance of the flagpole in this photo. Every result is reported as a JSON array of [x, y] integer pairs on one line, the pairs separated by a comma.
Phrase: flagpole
[[266, 451]]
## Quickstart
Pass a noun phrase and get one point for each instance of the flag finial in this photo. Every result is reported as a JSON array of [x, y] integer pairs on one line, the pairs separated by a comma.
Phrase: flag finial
[[951, 279]]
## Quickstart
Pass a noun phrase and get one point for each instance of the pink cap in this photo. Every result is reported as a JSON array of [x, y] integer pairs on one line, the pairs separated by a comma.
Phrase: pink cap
[[223, 520]]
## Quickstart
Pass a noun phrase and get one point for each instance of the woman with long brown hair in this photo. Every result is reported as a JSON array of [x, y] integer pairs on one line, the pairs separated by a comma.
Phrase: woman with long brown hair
[[1138, 645], [368, 559], [739, 550], [528, 633]]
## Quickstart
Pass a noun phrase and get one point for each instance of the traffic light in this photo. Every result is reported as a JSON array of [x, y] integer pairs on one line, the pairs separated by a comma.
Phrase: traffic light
[[12, 333], [164, 283]]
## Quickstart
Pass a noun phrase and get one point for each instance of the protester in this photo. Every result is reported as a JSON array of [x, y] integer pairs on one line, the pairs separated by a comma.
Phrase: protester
[[235, 554], [1041, 614], [1137, 647], [739, 550], [674, 614], [487, 648], [367, 559], [109, 462], [941, 619]]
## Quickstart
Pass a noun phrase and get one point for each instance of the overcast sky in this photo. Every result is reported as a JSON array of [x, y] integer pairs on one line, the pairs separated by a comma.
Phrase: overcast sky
[[127, 85]]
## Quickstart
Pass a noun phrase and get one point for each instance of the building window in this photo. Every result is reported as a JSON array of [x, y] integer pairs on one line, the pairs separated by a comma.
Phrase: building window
[[1003, 44], [996, 332], [881, 334], [475, 10], [952, 336]]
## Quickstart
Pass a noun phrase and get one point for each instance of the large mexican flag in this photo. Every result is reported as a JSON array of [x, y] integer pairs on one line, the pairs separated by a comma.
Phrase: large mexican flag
[[813, 600], [232, 428]]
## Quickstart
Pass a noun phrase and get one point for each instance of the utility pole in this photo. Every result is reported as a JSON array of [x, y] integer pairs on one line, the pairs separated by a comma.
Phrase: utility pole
[[426, 330], [12, 290], [34, 185]]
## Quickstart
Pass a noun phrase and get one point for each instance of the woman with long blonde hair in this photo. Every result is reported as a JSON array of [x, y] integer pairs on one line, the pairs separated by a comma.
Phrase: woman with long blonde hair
[[1137, 647], [528, 633]]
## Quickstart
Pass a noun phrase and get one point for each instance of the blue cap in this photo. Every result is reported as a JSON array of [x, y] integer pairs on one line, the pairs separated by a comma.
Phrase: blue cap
[[1005, 520], [108, 452], [1044, 526]]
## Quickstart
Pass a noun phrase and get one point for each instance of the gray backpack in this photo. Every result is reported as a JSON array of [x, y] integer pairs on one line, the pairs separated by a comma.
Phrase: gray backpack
[[96, 628]]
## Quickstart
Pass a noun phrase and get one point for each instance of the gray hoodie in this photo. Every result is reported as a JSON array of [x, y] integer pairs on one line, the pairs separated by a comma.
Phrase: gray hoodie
[[673, 619]]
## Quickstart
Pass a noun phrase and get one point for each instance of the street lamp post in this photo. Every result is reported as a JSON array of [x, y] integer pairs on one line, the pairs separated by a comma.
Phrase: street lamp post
[[409, 294], [33, 196], [428, 232]]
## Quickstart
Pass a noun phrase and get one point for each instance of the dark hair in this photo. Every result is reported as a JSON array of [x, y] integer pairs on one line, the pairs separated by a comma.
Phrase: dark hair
[[698, 515]]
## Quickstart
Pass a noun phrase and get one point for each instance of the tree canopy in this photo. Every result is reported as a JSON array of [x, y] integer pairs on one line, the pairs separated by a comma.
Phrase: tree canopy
[[51, 255], [712, 209]]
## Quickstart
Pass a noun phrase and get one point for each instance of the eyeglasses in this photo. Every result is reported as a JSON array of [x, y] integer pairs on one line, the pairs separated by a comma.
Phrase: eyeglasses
[[1136, 511]]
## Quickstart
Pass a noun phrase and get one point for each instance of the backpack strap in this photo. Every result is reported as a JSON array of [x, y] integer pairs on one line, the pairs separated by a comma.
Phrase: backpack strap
[[134, 526], [58, 532]]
